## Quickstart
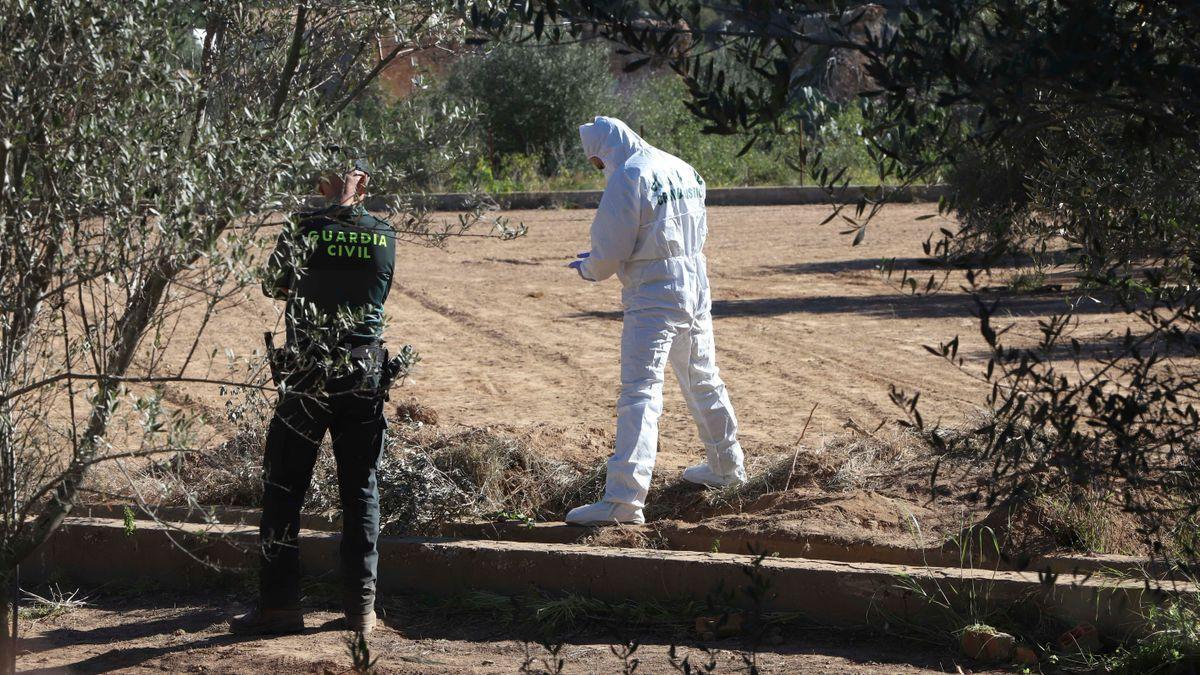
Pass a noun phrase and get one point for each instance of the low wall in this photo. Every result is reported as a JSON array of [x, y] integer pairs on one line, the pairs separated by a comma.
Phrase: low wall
[[690, 537], [95, 551]]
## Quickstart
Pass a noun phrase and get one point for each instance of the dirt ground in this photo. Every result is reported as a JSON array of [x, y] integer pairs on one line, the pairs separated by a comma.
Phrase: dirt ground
[[509, 335], [800, 319], [160, 633], [512, 339]]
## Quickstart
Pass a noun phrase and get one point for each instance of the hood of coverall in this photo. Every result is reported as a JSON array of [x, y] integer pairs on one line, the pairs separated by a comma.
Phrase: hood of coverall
[[611, 140]]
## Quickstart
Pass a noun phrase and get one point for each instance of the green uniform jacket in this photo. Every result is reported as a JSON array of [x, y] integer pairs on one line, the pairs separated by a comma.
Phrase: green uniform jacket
[[334, 267]]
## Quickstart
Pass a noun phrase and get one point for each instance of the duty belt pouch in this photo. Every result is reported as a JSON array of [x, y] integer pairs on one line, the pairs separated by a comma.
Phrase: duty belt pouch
[[276, 359], [392, 368], [369, 359], [357, 371]]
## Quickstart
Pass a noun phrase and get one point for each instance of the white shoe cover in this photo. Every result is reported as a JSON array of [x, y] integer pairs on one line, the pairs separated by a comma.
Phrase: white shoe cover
[[701, 474], [605, 513]]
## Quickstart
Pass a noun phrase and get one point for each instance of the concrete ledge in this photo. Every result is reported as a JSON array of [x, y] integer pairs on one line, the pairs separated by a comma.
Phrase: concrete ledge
[[95, 551], [688, 537], [734, 196], [200, 515]]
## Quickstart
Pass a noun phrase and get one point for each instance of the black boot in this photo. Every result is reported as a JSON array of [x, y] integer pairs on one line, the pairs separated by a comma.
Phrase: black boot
[[361, 623], [260, 621]]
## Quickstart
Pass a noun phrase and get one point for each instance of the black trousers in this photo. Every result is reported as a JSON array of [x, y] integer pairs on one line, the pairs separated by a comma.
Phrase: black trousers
[[353, 414]]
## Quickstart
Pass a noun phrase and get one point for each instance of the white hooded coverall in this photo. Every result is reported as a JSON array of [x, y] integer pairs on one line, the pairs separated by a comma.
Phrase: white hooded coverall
[[650, 230]]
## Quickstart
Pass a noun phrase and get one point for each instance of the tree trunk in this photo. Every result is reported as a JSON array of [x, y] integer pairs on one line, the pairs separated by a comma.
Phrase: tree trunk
[[8, 624]]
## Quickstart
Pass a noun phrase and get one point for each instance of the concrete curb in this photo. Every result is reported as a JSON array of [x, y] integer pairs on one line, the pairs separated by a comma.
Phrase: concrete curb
[[735, 196], [688, 537], [94, 551], [202, 515]]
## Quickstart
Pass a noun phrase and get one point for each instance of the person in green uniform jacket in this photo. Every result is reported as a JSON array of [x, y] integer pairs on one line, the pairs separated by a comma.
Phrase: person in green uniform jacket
[[334, 268]]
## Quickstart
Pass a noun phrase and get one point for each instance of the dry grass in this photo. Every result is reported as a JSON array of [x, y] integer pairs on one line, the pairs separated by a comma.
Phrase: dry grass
[[54, 603], [412, 411], [506, 472], [428, 477], [851, 461], [870, 461], [229, 474], [1048, 522], [431, 476], [622, 536]]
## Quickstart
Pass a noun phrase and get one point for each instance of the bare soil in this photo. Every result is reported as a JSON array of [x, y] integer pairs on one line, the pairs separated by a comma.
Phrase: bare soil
[[513, 340], [802, 319], [154, 632], [509, 335]]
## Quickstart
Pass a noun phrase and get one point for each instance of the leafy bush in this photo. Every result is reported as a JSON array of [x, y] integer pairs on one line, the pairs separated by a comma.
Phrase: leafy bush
[[1172, 643], [989, 199], [655, 108], [837, 144], [532, 98], [1068, 126], [656, 111], [463, 132], [419, 142]]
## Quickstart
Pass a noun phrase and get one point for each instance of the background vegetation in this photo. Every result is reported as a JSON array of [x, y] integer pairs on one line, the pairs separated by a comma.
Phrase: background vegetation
[[1069, 133], [1064, 127], [478, 134]]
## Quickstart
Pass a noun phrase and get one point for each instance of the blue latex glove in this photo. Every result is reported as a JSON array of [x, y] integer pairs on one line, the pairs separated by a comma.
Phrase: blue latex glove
[[577, 264]]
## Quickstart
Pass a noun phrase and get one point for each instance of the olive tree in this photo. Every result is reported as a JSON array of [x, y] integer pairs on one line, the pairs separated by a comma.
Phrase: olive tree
[[144, 144], [1089, 116], [1071, 125], [546, 90]]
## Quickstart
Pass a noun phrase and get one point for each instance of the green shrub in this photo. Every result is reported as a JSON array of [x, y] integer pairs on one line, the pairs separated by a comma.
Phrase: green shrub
[[532, 98], [656, 111], [839, 138], [466, 133], [1169, 644], [420, 143]]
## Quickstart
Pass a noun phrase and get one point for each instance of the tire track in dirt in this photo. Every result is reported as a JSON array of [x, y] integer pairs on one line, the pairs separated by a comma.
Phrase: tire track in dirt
[[518, 378], [801, 363], [781, 360], [469, 321], [900, 370], [793, 389], [470, 385]]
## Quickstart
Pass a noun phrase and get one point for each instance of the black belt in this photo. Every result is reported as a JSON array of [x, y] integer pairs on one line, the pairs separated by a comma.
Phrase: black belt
[[390, 366]]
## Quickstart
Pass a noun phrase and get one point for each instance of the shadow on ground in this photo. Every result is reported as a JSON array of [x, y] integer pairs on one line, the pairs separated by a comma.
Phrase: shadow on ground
[[189, 620], [920, 264], [134, 634], [861, 647], [855, 265], [891, 305]]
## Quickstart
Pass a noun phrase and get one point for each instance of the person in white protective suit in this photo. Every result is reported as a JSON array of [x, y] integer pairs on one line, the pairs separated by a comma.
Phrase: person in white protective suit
[[650, 231]]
